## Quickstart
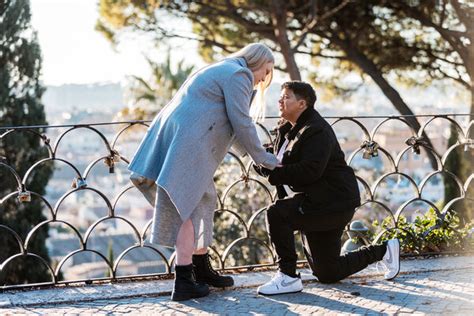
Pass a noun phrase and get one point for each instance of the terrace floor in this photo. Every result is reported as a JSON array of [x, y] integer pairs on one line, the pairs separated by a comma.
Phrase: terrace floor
[[441, 285]]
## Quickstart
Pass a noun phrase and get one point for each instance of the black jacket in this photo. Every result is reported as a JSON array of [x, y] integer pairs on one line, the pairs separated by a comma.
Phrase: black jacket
[[314, 165]]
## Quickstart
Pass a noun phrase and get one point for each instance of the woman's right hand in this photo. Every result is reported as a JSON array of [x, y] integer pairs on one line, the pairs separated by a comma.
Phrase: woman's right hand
[[271, 161]]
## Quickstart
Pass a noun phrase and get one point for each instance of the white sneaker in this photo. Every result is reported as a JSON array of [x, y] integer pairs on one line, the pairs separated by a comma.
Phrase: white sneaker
[[391, 259], [281, 284]]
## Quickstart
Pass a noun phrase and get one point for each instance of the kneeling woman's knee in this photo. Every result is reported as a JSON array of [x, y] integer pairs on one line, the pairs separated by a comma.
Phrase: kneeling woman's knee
[[273, 215], [326, 274]]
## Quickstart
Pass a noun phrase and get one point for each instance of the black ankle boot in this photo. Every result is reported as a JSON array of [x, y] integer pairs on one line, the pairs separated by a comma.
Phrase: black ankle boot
[[206, 274], [185, 285]]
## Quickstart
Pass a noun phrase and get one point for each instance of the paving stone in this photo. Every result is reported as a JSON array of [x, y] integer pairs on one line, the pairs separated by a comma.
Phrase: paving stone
[[422, 291]]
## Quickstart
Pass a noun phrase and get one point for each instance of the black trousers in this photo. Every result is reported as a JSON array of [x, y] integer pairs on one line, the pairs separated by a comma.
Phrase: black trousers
[[322, 234]]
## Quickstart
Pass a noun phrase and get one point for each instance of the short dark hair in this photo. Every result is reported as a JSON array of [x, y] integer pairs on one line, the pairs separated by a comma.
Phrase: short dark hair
[[302, 90]]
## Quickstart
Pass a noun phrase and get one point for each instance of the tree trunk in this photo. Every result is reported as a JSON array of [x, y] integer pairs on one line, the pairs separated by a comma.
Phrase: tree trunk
[[472, 109], [371, 69], [279, 26], [290, 62], [469, 64]]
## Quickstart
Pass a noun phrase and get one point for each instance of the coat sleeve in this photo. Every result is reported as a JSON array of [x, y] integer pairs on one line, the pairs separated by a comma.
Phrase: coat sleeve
[[237, 92], [238, 148], [315, 152]]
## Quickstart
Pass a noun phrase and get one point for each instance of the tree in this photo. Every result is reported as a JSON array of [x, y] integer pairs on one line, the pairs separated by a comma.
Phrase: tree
[[370, 37], [451, 191], [387, 41], [377, 28], [149, 96], [457, 164], [451, 53], [448, 52], [20, 95]]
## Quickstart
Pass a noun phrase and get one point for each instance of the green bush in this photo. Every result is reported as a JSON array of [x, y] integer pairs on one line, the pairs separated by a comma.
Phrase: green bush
[[430, 233]]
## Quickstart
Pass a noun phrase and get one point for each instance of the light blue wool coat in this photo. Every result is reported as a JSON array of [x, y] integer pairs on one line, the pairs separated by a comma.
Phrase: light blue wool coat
[[187, 141]]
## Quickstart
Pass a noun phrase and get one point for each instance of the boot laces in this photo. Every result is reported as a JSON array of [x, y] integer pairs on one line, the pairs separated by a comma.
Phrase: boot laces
[[209, 266]]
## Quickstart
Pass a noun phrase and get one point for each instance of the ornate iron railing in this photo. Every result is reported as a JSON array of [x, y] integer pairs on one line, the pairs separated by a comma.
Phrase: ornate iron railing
[[98, 228]]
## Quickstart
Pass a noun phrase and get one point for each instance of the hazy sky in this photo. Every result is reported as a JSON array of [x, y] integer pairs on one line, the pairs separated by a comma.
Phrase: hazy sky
[[73, 52]]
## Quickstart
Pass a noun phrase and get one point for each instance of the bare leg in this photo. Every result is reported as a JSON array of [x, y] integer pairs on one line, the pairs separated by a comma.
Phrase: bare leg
[[198, 262], [185, 244], [185, 286], [200, 251]]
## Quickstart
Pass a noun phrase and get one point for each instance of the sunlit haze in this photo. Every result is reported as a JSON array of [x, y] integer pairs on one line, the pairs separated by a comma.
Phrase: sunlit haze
[[73, 52]]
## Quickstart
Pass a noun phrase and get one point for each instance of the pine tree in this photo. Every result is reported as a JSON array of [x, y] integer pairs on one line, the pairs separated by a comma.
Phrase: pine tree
[[20, 104]]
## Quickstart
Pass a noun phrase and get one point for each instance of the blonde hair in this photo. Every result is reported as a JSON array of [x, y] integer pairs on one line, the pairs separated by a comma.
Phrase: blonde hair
[[257, 55]]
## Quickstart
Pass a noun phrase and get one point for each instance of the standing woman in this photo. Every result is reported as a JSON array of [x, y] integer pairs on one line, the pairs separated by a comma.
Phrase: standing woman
[[175, 162]]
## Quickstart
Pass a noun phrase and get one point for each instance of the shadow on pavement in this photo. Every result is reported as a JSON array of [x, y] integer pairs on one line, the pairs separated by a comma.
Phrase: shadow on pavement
[[455, 290]]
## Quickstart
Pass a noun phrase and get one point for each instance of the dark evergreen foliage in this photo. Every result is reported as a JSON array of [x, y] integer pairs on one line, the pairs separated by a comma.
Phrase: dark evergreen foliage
[[20, 104]]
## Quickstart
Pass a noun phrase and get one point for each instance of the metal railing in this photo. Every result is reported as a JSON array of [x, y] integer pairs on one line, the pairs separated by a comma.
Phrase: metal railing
[[383, 150]]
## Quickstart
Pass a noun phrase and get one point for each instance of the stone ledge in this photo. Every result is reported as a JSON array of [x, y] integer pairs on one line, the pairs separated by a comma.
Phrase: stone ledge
[[83, 293]]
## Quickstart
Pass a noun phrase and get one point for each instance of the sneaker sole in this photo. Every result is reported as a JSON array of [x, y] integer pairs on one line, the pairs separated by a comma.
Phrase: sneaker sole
[[280, 293], [398, 269]]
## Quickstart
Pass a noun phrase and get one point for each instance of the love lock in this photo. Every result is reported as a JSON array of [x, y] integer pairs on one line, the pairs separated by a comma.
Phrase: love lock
[[116, 158], [370, 149], [246, 180], [415, 143], [79, 183], [24, 196], [469, 144], [110, 162], [45, 139]]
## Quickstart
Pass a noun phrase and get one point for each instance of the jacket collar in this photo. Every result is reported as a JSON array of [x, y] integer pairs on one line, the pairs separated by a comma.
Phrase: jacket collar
[[242, 62], [290, 131]]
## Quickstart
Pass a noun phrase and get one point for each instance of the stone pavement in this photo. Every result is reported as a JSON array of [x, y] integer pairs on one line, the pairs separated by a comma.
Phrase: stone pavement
[[425, 286]]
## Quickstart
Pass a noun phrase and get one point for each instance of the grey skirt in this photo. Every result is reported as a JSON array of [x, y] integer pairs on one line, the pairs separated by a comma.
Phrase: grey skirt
[[167, 220]]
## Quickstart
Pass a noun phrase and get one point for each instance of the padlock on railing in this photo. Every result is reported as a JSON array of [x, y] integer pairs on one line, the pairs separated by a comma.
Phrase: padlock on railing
[[111, 160], [45, 138], [370, 149], [79, 183], [116, 156], [415, 142], [469, 144], [246, 180], [24, 196]]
